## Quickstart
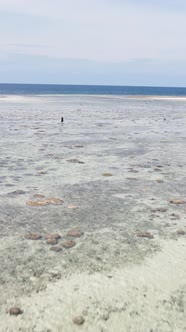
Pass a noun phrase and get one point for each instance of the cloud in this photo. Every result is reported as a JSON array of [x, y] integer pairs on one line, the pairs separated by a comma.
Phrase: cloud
[[97, 32], [105, 32]]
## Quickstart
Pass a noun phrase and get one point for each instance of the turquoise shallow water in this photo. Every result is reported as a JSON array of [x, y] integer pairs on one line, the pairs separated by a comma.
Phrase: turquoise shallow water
[[35, 89]]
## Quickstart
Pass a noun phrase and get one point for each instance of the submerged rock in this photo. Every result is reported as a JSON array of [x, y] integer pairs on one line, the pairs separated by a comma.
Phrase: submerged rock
[[79, 320], [177, 201], [69, 244], [160, 209], [72, 207], [54, 201], [15, 311], [175, 216], [39, 196], [51, 241], [56, 248], [44, 202], [107, 174], [33, 236], [146, 234], [36, 203], [55, 236], [75, 233], [75, 161], [41, 173], [181, 232], [17, 192]]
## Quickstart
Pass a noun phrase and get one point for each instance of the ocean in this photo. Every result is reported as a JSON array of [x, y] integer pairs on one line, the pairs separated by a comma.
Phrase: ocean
[[44, 89]]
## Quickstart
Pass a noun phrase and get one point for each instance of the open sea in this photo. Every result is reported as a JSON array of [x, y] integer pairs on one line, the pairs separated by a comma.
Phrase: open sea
[[37, 89]]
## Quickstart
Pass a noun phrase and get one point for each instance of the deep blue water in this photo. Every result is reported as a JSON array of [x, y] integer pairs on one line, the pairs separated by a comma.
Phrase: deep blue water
[[32, 89]]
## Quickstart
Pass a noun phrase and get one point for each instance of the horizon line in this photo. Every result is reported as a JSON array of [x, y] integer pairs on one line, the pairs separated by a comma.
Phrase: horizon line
[[97, 85]]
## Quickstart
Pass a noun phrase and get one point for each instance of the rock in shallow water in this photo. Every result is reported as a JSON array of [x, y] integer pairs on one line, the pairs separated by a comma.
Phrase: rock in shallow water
[[181, 232], [72, 207], [51, 241], [69, 244], [75, 233], [75, 161], [79, 320], [132, 179], [36, 203], [175, 216], [41, 173], [177, 201], [55, 236], [160, 209], [78, 146], [56, 248], [17, 192], [107, 174], [54, 201], [146, 234], [15, 311], [44, 202], [32, 236], [39, 196]]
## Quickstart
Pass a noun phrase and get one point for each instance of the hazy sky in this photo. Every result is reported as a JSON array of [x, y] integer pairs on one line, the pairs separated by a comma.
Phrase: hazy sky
[[124, 42]]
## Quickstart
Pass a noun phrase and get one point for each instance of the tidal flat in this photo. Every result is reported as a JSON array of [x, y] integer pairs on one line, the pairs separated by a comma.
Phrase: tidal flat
[[92, 214]]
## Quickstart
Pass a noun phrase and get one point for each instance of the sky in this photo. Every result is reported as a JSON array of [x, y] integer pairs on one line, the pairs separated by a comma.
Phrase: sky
[[114, 42]]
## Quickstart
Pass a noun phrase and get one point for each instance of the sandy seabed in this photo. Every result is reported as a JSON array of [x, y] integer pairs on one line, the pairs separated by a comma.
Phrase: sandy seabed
[[115, 170]]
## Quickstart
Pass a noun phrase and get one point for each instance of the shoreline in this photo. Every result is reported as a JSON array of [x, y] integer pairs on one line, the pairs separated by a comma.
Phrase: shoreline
[[107, 96]]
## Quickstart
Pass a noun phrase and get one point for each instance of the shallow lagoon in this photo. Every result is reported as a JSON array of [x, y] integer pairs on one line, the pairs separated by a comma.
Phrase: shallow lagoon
[[132, 163]]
